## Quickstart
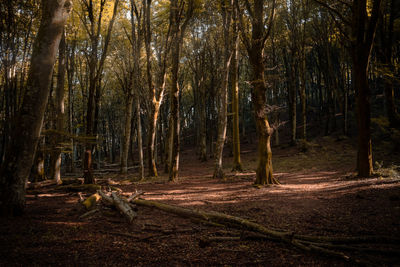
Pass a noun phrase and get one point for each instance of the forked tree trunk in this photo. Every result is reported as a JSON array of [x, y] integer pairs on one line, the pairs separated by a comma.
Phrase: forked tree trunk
[[95, 73], [21, 149], [255, 48], [177, 33]]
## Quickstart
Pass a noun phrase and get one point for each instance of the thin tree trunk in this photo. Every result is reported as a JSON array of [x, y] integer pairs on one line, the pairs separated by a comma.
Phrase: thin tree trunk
[[139, 139], [177, 33], [21, 150], [203, 119], [127, 133], [223, 92], [237, 164]]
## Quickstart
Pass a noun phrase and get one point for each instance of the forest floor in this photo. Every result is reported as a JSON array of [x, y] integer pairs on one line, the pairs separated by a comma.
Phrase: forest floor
[[318, 195]]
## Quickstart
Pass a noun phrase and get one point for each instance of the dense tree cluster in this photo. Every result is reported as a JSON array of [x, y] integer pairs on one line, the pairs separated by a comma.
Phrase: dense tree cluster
[[135, 81]]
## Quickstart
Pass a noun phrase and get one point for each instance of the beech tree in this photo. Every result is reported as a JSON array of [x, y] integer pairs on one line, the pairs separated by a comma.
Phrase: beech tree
[[26, 129], [255, 51]]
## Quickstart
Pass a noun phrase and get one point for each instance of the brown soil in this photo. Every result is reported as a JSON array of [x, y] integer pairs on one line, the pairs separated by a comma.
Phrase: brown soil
[[318, 196]]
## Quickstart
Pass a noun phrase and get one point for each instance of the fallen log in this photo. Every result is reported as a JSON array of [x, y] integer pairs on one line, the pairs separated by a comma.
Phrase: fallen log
[[122, 205], [41, 184], [298, 241]]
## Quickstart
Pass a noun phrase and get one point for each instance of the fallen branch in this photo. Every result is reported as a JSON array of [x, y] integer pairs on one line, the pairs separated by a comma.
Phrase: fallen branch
[[306, 243], [124, 207], [88, 214], [135, 195]]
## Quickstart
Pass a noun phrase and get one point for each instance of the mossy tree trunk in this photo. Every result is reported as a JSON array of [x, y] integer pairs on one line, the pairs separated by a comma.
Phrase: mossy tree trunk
[[21, 149], [255, 48]]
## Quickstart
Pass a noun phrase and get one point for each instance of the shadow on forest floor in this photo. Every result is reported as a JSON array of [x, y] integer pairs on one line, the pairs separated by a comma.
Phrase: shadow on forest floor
[[316, 196]]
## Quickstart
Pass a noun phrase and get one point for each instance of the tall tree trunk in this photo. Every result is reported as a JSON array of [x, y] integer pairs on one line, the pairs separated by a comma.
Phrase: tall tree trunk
[[363, 34], [237, 164], [177, 33], [363, 102], [95, 73], [202, 120], [386, 58], [60, 113], [139, 139], [255, 48], [127, 133], [223, 91], [174, 128], [21, 149]]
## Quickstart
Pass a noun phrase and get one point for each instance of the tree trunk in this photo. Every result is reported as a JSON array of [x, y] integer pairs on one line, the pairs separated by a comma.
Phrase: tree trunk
[[255, 49], [237, 164], [363, 102], [174, 142], [127, 133], [223, 92], [203, 119], [139, 139], [60, 99], [21, 150], [152, 138], [363, 35]]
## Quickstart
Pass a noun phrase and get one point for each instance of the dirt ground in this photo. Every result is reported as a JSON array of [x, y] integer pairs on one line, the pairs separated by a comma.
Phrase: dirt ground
[[318, 195]]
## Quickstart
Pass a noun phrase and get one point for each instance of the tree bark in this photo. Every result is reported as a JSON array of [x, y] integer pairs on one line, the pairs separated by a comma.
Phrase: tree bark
[[139, 139], [237, 164], [21, 150], [177, 33], [127, 132], [60, 113], [223, 91], [363, 34], [255, 48]]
